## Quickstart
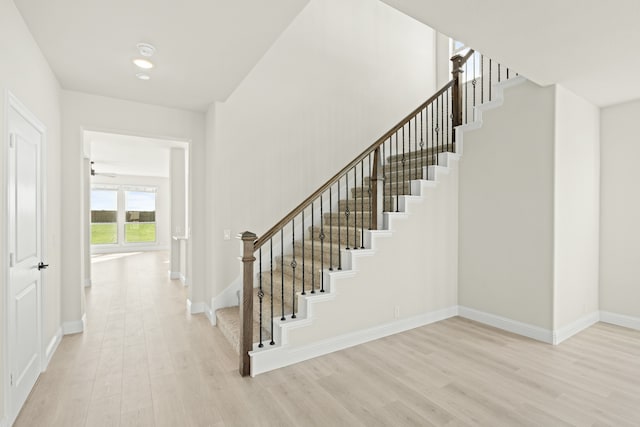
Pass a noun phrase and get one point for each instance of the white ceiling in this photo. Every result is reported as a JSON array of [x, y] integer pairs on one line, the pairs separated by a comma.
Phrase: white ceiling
[[204, 48], [130, 155], [588, 46]]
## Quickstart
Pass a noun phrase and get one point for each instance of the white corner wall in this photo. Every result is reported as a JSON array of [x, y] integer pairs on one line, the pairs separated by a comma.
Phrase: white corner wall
[[576, 209], [91, 112], [343, 73], [506, 209], [620, 211], [25, 73]]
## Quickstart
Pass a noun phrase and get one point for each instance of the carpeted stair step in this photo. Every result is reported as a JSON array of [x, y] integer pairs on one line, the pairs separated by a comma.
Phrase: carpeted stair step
[[359, 219], [390, 189], [331, 234], [300, 268], [324, 253], [417, 153], [358, 201], [228, 321], [277, 300]]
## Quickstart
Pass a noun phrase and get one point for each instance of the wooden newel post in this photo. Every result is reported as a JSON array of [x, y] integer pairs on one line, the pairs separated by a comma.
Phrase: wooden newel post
[[456, 92], [246, 311]]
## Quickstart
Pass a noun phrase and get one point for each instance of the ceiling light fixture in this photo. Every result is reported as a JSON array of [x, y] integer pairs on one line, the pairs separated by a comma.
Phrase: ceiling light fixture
[[146, 49], [143, 76], [143, 63]]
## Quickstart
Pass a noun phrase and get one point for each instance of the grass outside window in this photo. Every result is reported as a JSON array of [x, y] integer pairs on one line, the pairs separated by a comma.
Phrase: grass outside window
[[104, 233], [140, 232]]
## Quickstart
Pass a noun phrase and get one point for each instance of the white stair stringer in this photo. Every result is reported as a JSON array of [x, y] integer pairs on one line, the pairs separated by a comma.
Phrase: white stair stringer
[[396, 284]]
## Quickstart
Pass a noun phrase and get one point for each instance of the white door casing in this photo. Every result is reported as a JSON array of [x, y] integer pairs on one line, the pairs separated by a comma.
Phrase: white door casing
[[25, 244]]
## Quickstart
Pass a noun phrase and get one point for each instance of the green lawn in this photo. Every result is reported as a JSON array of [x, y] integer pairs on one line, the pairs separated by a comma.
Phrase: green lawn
[[105, 233], [140, 232]]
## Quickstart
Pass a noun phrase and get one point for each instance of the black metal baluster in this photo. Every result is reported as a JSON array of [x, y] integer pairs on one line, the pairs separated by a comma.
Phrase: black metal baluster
[[499, 72], [303, 259], [322, 236], [331, 228], [293, 268], [282, 271], [260, 296], [369, 192], [473, 83], [355, 208], [433, 127], [447, 120], [482, 79], [507, 73], [271, 287], [362, 204], [466, 91], [313, 251], [437, 125], [346, 211], [404, 178], [339, 228], [421, 145], [397, 176]]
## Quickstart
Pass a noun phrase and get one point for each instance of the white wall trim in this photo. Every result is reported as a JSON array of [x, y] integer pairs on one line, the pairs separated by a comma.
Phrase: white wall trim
[[52, 347], [270, 359], [87, 283], [620, 320], [227, 298], [174, 275], [524, 329], [198, 308], [566, 332], [74, 326]]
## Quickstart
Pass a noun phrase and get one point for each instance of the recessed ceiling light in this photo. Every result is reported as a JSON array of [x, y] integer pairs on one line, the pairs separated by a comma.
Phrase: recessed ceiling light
[[143, 63], [143, 76], [146, 49]]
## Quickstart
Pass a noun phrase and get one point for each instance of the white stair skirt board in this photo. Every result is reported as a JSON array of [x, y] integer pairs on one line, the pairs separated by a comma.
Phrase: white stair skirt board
[[575, 327], [74, 326], [52, 347], [620, 320], [524, 329], [278, 357]]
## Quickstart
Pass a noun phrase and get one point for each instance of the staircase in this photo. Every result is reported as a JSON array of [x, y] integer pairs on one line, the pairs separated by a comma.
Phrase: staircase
[[291, 309], [323, 254]]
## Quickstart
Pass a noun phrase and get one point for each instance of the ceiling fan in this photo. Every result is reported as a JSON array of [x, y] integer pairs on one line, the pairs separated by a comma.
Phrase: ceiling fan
[[94, 173]]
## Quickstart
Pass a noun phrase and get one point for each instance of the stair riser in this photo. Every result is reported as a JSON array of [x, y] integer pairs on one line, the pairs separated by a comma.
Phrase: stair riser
[[415, 153], [353, 203], [355, 218], [389, 189]]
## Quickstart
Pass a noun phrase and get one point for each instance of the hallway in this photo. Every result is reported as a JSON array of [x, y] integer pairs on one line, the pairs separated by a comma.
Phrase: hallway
[[143, 362]]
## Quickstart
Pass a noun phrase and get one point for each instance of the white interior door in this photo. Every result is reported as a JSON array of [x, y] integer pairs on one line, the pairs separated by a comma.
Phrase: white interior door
[[25, 255]]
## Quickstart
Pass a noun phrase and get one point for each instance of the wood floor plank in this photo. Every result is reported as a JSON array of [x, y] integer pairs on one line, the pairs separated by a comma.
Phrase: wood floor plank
[[144, 362]]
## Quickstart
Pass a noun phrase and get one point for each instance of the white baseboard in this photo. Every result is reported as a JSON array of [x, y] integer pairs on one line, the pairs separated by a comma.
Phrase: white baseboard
[[200, 307], [531, 331], [174, 275], [52, 347], [620, 320], [87, 283], [274, 358], [74, 326], [573, 328]]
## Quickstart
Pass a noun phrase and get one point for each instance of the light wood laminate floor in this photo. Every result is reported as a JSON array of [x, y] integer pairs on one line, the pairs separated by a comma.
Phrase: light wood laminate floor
[[143, 362]]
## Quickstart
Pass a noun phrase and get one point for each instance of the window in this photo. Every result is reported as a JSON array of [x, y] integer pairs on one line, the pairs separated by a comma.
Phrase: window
[[104, 217], [140, 216]]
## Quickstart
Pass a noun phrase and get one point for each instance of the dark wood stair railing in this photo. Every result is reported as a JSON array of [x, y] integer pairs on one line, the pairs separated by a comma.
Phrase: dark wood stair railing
[[392, 161]]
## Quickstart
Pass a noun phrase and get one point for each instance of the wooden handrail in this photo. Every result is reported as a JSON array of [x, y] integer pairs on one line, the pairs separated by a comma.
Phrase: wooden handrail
[[302, 206]]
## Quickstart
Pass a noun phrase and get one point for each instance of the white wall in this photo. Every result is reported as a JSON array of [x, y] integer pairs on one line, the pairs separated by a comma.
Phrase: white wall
[[506, 209], [90, 112], [620, 210], [25, 72], [163, 211], [576, 208], [343, 73]]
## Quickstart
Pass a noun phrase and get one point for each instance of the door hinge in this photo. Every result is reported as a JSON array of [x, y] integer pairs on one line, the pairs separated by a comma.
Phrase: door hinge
[[11, 138], [11, 261], [11, 377]]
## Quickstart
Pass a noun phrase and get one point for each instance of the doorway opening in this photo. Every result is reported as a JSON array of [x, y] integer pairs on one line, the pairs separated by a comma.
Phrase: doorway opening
[[136, 201]]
